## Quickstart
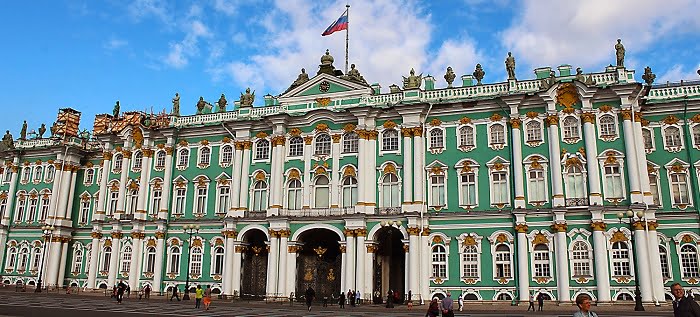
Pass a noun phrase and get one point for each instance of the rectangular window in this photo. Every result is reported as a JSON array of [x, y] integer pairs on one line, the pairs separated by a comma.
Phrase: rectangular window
[[113, 197], [679, 189], [223, 199], [541, 264], [468, 189], [500, 188], [349, 196], [654, 187], [201, 200], [155, 201], [437, 189], [470, 268], [613, 181], [536, 186], [45, 201], [179, 201], [33, 205], [84, 211]]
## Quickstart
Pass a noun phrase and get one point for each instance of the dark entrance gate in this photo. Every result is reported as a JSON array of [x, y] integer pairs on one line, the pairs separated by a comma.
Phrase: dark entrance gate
[[319, 264], [389, 264], [254, 272]]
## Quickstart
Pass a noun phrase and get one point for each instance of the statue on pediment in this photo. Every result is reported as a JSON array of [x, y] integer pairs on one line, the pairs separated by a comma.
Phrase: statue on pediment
[[7, 142], [620, 53], [248, 98], [23, 132], [176, 105], [394, 88], [412, 81], [354, 75], [201, 105], [510, 66], [478, 74], [301, 79], [42, 130], [549, 82], [450, 76], [222, 103], [115, 111]]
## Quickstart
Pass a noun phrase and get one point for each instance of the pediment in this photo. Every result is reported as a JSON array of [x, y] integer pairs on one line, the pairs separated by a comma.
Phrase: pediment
[[324, 85]]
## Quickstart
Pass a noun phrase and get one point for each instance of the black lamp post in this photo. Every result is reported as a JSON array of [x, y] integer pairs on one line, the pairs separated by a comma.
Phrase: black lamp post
[[190, 230], [47, 238], [630, 217]]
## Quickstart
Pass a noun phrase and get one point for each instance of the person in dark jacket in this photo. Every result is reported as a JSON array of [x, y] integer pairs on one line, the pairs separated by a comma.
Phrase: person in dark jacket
[[682, 305], [341, 300], [310, 294]]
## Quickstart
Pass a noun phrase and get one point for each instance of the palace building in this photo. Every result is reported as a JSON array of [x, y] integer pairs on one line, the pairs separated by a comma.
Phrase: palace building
[[489, 191]]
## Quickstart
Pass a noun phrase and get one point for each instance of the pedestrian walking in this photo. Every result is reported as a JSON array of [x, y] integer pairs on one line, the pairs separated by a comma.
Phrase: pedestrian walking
[[409, 300], [207, 297], [352, 298], [175, 294], [532, 302], [390, 299], [198, 295], [447, 306], [128, 291], [147, 291], [460, 301], [583, 301], [341, 300], [114, 292], [682, 305], [357, 297], [121, 288], [310, 294], [433, 309], [540, 301]]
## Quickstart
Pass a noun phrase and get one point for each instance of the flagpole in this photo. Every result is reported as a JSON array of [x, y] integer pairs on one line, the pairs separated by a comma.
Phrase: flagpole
[[347, 30]]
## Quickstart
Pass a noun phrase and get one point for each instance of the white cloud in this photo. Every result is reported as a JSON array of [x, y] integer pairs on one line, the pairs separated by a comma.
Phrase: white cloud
[[549, 33], [227, 7], [181, 52], [460, 55], [140, 9], [114, 44], [678, 72]]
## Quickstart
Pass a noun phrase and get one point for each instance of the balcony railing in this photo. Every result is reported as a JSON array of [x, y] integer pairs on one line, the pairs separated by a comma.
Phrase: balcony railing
[[573, 202], [317, 212], [255, 214], [388, 210]]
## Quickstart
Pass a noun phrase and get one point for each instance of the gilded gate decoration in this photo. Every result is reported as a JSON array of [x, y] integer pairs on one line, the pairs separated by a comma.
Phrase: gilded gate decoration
[[321, 273], [254, 277]]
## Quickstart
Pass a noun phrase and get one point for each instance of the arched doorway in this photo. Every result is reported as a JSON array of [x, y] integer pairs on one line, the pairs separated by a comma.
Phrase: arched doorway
[[318, 263], [254, 272], [389, 263]]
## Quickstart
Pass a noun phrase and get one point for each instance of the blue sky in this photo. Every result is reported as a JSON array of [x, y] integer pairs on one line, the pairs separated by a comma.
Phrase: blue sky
[[88, 54]]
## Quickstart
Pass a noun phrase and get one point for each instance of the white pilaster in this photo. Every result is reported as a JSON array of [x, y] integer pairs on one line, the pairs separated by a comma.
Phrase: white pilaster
[[418, 167], [291, 268], [12, 193], [144, 186], [71, 194], [361, 252], [245, 176], [94, 259], [64, 193], [276, 174], [595, 196], [631, 155], [343, 267], [369, 276], [351, 281], [642, 160], [600, 249], [425, 266], [135, 265], [236, 271], [306, 183], [228, 263], [335, 171], [282, 270], [414, 246], [523, 263], [126, 166], [160, 251], [272, 262], [562, 261], [371, 194], [54, 261], [236, 176], [642, 256], [167, 184], [517, 162], [114, 258], [102, 197], [657, 280], [554, 154], [407, 175], [62, 264]]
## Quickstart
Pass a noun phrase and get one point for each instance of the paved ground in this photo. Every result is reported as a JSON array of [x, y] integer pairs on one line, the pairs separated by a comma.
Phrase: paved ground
[[31, 304]]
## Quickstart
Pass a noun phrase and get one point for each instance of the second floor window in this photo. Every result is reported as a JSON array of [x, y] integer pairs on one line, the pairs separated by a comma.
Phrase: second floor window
[[390, 140]]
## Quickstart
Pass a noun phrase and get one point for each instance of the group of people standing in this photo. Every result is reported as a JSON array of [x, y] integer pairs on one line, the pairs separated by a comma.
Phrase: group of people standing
[[353, 298]]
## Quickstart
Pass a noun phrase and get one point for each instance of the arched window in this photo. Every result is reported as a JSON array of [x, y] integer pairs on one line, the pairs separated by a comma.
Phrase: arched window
[[296, 146], [607, 125], [580, 259], [466, 136], [106, 257], [132, 200], [11, 259], [570, 128], [613, 181], [196, 261], [350, 142], [536, 185], [224, 192], [204, 156], [160, 159], [541, 261], [323, 144], [126, 259], [390, 191], [437, 190], [663, 256], [226, 155], [118, 161], [294, 194], [349, 191], [36, 259], [49, 173], [26, 173], [470, 262], [390, 140], [533, 131], [150, 260], [321, 192], [33, 207], [504, 297], [439, 262], [575, 182], [78, 261], [689, 261], [218, 263], [21, 208], [174, 261], [497, 132], [436, 138], [679, 188], [672, 137], [621, 259], [503, 262], [89, 176], [260, 196], [138, 161], [23, 259], [183, 157], [262, 149], [649, 140], [38, 174]]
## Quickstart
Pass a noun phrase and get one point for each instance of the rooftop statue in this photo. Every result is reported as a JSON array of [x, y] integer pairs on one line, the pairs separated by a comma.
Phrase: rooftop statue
[[549, 82], [23, 132], [326, 66], [479, 74], [42, 130], [412, 81], [354, 75], [301, 79], [620, 53], [222, 103], [327, 59], [247, 99], [176, 105], [394, 88], [510, 66], [648, 76], [54, 129], [201, 105], [449, 76], [115, 111], [7, 142]]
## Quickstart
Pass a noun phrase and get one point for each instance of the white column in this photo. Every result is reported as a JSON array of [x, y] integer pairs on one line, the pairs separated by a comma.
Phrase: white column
[[630, 153], [94, 259], [228, 262], [55, 191], [126, 166], [307, 171], [291, 253], [3, 241], [362, 171], [135, 267], [351, 282], [642, 161], [595, 196], [657, 279], [554, 153], [600, 249], [369, 273], [245, 176], [54, 261], [71, 193], [406, 270], [371, 157], [102, 197], [414, 244], [407, 175], [343, 267], [64, 192], [276, 172], [272, 262], [114, 258], [418, 167], [236, 270], [425, 266], [11, 196], [282, 270], [236, 176], [361, 252], [336, 175], [167, 185], [62, 263], [160, 250], [523, 262], [641, 256], [144, 185], [561, 252], [517, 162]]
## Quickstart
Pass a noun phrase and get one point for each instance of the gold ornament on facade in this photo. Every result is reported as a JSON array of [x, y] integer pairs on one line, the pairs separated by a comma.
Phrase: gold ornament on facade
[[117, 235], [342, 249], [692, 281], [515, 123], [247, 145], [169, 150], [137, 135], [308, 275], [626, 114], [469, 241], [348, 232], [567, 95], [349, 127], [96, 235], [469, 281], [293, 249], [501, 238], [389, 169], [540, 239], [588, 117], [151, 243], [261, 135], [323, 102], [239, 145], [652, 225], [610, 158], [466, 168], [320, 251], [197, 242], [108, 243], [426, 232], [371, 248], [638, 225], [437, 240], [138, 235], [308, 139], [240, 249], [406, 132], [320, 170], [321, 127], [496, 117], [559, 227], [279, 140], [435, 122], [618, 236], [349, 171], [361, 232], [406, 248], [552, 120], [160, 146], [532, 114], [645, 122], [605, 108], [671, 119], [147, 152], [294, 174], [535, 163], [413, 231], [573, 161], [258, 249], [26, 163], [389, 124], [519, 228], [260, 176], [372, 134], [223, 181], [295, 132], [159, 235], [175, 242], [437, 170], [465, 120], [677, 168], [638, 117], [598, 226], [569, 110], [418, 131], [336, 138], [498, 166], [687, 238], [502, 280]]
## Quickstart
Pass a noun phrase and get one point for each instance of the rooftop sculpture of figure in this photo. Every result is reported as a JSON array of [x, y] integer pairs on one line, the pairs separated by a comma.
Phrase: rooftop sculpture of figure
[[42, 130], [201, 104], [115, 111], [648, 76], [248, 98], [620, 53], [478, 74], [7, 141], [222, 103], [412, 81], [23, 132], [176, 105], [450, 76], [354, 75], [510, 66]]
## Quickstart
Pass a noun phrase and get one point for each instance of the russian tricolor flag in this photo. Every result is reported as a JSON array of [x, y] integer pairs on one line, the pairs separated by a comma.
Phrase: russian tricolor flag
[[338, 25]]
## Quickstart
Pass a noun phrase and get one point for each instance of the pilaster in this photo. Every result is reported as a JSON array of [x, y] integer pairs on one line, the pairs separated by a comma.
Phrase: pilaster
[[167, 182], [631, 155], [160, 251], [554, 154], [600, 249], [595, 196], [407, 176]]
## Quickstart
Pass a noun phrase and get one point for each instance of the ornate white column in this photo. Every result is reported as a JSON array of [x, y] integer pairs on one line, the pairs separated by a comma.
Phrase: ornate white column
[[62, 263], [144, 186], [114, 258], [518, 177], [54, 261], [642, 161], [276, 174], [228, 261], [595, 196], [600, 249], [291, 252], [55, 190], [361, 252], [167, 183], [307, 171], [657, 279], [236, 176], [418, 167], [425, 266], [282, 270], [160, 251], [12, 193], [414, 245], [64, 194], [350, 257], [562, 260], [94, 259], [343, 267], [335, 171], [641, 256], [71, 192], [407, 175], [245, 176], [135, 265], [371, 195], [554, 154], [362, 171], [523, 261], [102, 197], [631, 155], [126, 166], [272, 262], [236, 270]]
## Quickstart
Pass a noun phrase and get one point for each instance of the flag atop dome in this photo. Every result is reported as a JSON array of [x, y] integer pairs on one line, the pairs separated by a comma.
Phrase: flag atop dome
[[338, 25]]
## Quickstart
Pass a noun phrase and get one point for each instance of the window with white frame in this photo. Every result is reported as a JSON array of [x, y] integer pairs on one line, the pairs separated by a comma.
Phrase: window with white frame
[[89, 176], [654, 187], [390, 140], [50, 169], [470, 262], [156, 198], [84, 211], [262, 149], [350, 142], [7, 176], [502, 267], [533, 131], [138, 161], [160, 159], [621, 259], [3, 207], [218, 262], [580, 259], [296, 146], [201, 200], [226, 154], [349, 191], [497, 134], [33, 207], [113, 199], [499, 187], [606, 126], [150, 260], [23, 259], [11, 259], [321, 192], [38, 174], [437, 191], [223, 199], [183, 158], [126, 259], [689, 261], [390, 191], [679, 188], [437, 138], [174, 260], [467, 188], [260, 196], [106, 257], [44, 209], [132, 200], [536, 190], [672, 137], [540, 261], [36, 259], [663, 256], [98, 174], [613, 181], [118, 162], [196, 261], [323, 144], [204, 156], [180, 198], [294, 194], [466, 136], [26, 173], [570, 127], [648, 139], [439, 262], [575, 182], [21, 208], [78, 260], [696, 135]]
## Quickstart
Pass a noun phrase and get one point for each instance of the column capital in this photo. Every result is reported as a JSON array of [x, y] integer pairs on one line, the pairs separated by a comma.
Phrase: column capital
[[639, 225], [138, 235], [552, 120], [96, 235], [515, 123], [293, 249], [147, 152], [418, 131], [652, 225], [406, 248], [169, 150], [371, 248], [232, 234], [336, 138], [342, 249], [588, 117], [239, 145], [626, 114], [407, 132], [559, 227], [372, 134], [240, 249], [107, 156], [308, 139], [117, 235], [349, 232], [413, 231], [361, 232], [598, 226], [279, 140], [426, 232], [521, 228], [160, 235]]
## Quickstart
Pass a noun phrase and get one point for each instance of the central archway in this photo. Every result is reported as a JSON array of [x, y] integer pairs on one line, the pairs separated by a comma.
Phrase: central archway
[[319, 263], [389, 264], [254, 272]]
